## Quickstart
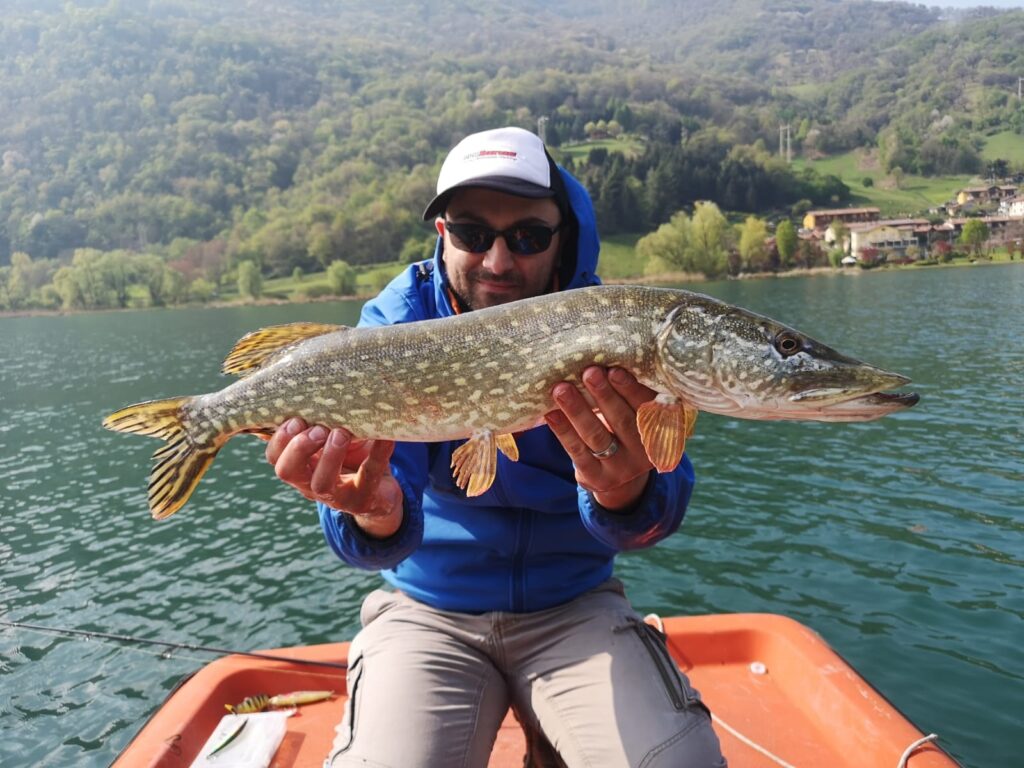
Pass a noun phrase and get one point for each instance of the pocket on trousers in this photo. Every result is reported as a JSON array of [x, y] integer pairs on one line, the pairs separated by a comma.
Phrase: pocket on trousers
[[344, 733], [679, 692]]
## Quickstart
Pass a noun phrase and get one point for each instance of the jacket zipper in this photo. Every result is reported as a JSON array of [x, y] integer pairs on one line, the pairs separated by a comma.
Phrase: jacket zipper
[[524, 530]]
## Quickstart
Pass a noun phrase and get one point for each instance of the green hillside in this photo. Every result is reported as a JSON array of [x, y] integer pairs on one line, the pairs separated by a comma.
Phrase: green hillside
[[1005, 145], [171, 141], [914, 194]]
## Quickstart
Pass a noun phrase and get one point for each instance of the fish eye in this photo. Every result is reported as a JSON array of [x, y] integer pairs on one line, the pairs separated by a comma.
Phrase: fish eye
[[787, 344]]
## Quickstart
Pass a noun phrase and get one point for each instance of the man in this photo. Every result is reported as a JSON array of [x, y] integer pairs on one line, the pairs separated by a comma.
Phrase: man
[[504, 599]]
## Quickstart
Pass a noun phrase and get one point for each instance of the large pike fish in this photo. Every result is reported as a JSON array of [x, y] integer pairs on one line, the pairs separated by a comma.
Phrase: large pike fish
[[488, 374]]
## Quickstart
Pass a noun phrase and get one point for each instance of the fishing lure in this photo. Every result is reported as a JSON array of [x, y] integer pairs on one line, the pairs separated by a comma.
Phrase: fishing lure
[[249, 705], [262, 702]]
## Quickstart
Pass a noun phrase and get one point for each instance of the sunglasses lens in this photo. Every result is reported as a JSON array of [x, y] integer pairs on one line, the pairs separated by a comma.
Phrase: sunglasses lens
[[472, 237], [523, 241], [528, 240]]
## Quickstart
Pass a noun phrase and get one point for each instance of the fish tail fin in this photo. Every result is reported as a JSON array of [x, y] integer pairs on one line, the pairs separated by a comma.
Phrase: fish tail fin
[[179, 465]]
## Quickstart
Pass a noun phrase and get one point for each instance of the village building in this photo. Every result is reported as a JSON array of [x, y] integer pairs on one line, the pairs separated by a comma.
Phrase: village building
[[819, 220], [892, 237], [1012, 207], [1000, 228], [866, 235], [982, 195]]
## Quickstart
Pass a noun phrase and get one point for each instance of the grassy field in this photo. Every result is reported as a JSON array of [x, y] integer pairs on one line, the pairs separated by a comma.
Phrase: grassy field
[[618, 257], [1007, 146], [914, 196], [369, 281], [625, 145]]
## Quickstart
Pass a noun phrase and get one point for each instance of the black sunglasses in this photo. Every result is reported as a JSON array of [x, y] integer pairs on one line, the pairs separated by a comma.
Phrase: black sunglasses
[[521, 239]]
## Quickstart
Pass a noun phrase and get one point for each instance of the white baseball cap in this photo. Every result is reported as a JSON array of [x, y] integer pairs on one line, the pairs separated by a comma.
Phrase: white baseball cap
[[510, 160]]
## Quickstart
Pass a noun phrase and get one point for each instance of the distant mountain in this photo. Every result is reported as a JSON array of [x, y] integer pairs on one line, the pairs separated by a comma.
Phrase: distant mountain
[[290, 130]]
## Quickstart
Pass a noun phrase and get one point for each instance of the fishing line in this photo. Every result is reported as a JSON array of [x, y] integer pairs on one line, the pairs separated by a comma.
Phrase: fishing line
[[91, 635]]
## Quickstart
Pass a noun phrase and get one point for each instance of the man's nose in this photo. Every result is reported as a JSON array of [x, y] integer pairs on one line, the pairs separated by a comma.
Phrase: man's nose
[[499, 258]]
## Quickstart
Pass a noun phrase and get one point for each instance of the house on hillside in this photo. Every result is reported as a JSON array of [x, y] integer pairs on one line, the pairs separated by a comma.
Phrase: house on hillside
[[1012, 207], [1000, 228], [891, 237], [819, 220], [982, 195]]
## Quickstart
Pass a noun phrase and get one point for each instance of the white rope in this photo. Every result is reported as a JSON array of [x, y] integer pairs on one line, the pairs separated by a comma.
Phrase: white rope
[[751, 744], [910, 750], [655, 621]]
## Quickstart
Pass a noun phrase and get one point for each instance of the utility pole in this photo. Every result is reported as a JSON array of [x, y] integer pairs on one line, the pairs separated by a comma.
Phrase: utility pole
[[785, 143], [1020, 88]]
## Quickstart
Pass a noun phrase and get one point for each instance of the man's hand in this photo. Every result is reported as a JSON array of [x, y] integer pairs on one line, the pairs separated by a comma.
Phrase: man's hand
[[618, 480], [350, 475]]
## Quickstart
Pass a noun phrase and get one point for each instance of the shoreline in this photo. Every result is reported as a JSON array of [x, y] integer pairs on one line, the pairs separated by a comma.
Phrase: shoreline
[[660, 278]]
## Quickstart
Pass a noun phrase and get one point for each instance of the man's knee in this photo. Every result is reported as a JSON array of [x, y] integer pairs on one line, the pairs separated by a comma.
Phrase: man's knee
[[695, 746]]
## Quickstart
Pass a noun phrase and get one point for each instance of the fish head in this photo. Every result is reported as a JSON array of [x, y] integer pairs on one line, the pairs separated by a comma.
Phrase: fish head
[[727, 360]]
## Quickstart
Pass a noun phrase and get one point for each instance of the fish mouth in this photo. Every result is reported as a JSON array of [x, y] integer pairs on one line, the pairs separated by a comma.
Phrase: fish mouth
[[835, 405]]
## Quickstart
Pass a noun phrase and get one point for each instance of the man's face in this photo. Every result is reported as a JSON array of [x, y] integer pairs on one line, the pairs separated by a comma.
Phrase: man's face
[[498, 276]]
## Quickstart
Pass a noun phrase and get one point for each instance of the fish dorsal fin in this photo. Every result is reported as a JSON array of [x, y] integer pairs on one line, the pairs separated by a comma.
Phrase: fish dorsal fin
[[257, 349]]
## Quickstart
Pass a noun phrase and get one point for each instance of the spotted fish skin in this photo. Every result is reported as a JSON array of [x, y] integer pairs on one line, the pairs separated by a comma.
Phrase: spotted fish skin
[[489, 373], [443, 379]]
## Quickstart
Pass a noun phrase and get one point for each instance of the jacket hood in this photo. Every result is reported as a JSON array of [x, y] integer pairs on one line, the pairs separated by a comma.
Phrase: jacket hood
[[579, 266]]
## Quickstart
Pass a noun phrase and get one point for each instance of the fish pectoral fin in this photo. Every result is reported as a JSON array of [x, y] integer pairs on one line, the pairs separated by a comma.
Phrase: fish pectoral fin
[[475, 463], [507, 445], [665, 423], [257, 349]]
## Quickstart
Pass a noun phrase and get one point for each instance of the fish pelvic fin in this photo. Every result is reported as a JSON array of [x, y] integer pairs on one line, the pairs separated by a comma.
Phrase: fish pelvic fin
[[179, 465], [507, 445], [665, 423], [475, 462], [260, 348]]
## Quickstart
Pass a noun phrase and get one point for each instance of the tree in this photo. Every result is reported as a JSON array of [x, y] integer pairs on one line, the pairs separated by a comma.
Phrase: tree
[[666, 247], [974, 235], [753, 246], [785, 242], [708, 231], [250, 281], [5, 282], [202, 289], [152, 273], [341, 278], [840, 233], [418, 248], [869, 257]]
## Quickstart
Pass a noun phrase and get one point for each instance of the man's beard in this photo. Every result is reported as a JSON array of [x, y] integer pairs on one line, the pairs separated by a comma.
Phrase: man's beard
[[469, 293]]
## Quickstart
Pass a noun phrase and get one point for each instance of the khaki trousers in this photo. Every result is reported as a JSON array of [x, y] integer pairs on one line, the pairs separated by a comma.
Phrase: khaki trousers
[[591, 683]]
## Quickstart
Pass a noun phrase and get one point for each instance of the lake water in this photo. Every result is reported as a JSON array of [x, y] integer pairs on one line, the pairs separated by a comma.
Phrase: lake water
[[900, 541]]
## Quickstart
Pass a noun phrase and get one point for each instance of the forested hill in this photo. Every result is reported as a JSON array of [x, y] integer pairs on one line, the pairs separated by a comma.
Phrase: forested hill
[[296, 132]]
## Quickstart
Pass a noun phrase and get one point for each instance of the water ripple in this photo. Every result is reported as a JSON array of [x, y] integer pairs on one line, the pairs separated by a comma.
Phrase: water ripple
[[900, 541]]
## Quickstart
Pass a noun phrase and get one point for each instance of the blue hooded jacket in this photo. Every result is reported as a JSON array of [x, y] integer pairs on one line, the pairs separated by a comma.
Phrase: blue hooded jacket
[[535, 539]]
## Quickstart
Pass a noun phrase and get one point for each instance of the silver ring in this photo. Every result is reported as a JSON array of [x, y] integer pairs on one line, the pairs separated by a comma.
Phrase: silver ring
[[607, 453]]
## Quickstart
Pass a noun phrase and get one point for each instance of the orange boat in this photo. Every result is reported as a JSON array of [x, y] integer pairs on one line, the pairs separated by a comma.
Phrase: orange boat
[[780, 697]]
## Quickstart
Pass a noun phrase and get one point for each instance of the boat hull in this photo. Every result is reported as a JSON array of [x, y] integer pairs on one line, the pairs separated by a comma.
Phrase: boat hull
[[780, 695]]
